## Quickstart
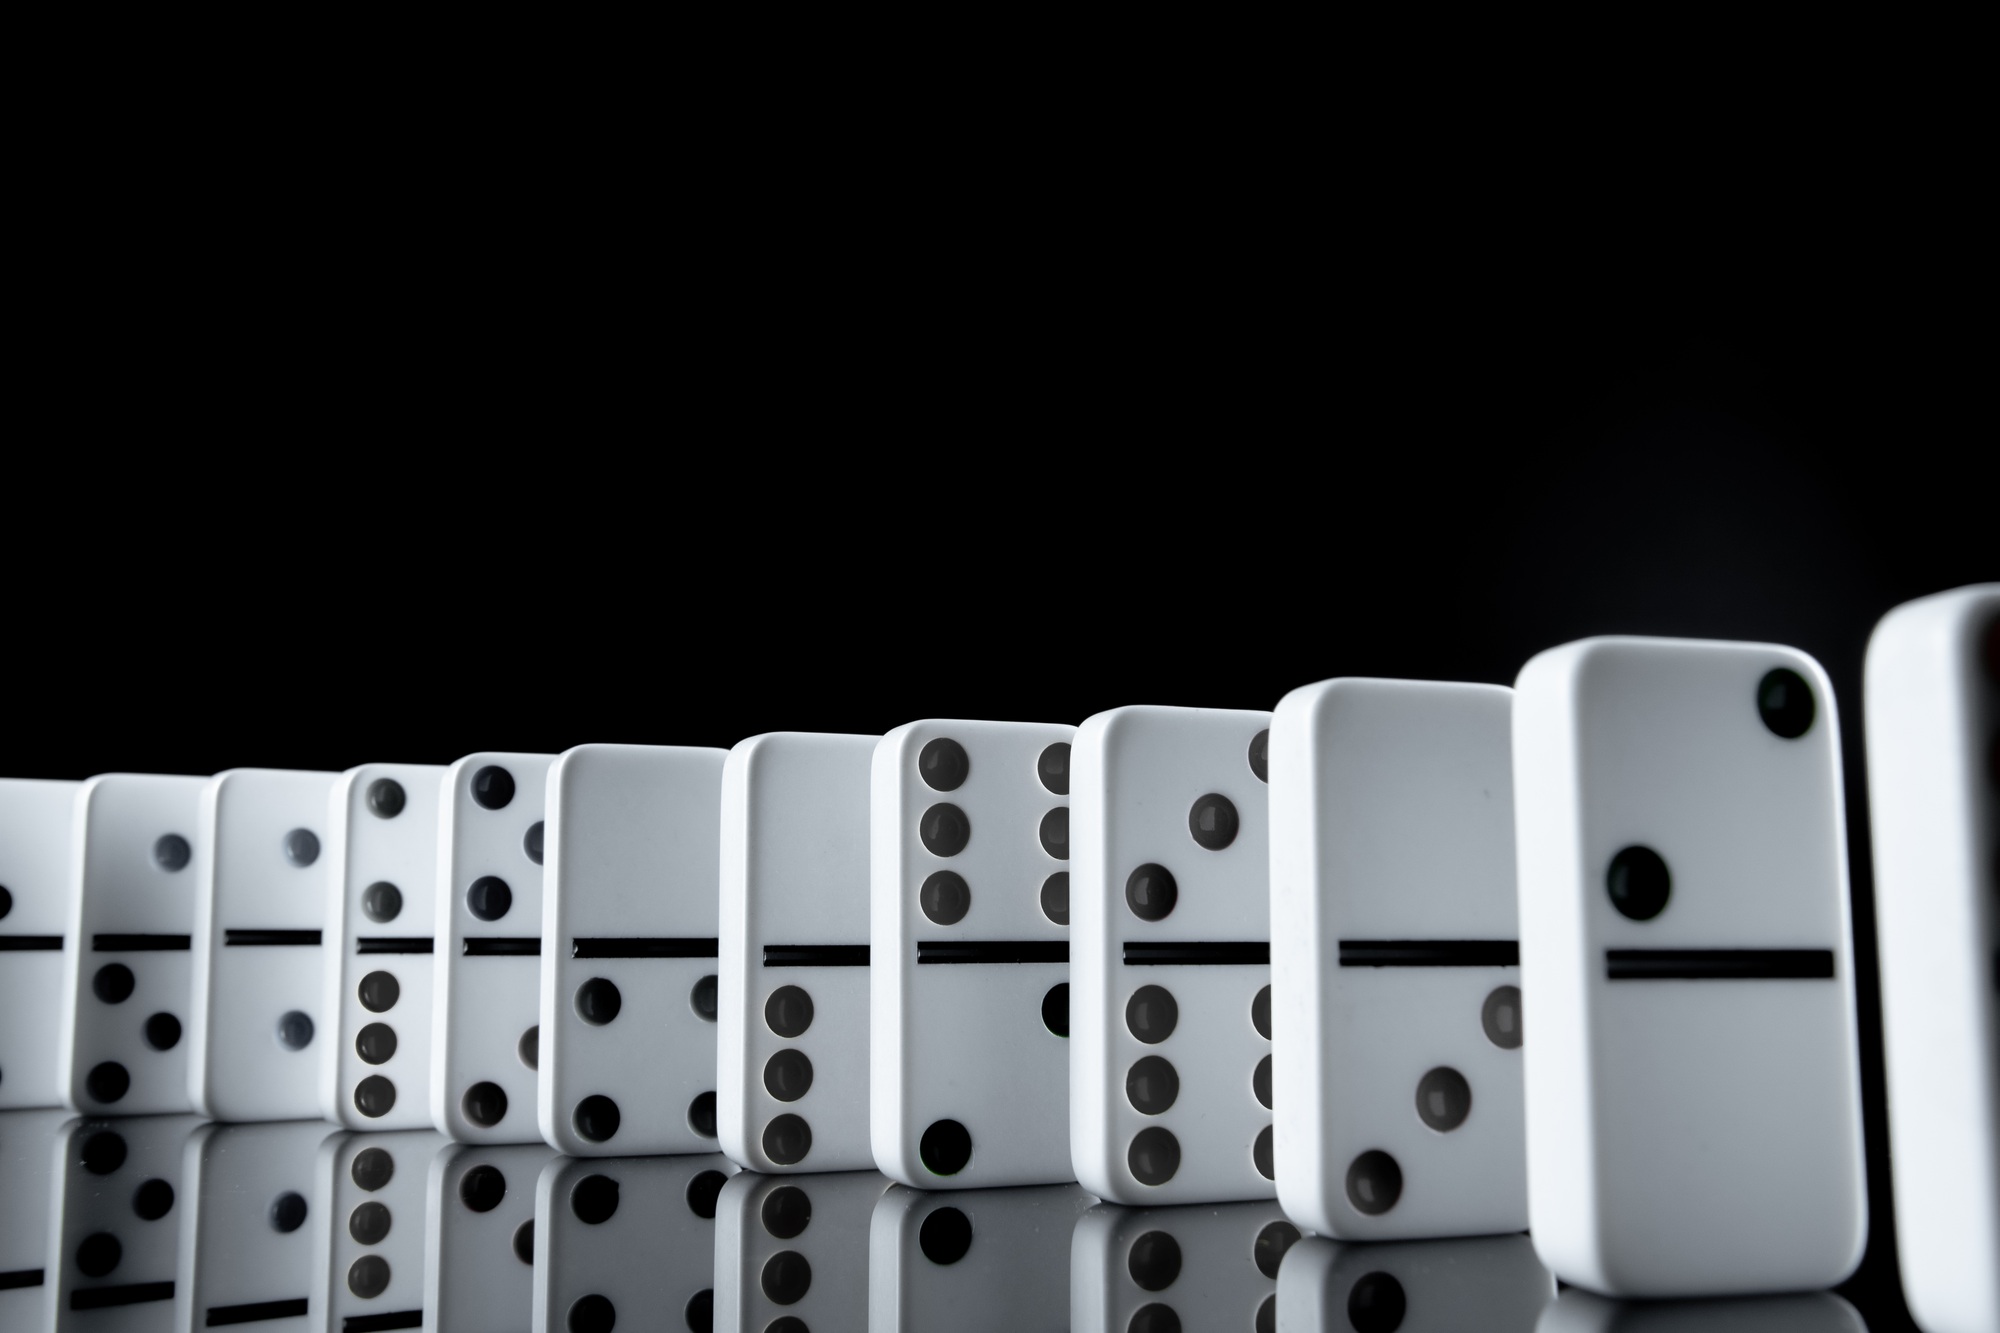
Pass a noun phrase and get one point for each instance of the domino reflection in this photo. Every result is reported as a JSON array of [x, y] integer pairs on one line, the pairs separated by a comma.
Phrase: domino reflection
[[1155, 1270], [972, 1259], [1493, 1283], [1577, 1311]]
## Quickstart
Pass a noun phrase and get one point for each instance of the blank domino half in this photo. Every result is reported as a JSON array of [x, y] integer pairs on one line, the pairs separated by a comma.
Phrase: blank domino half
[[794, 1247], [375, 1064], [792, 1022], [1693, 1081], [628, 1000], [369, 1231], [259, 923], [485, 1038], [1395, 977], [114, 1233], [969, 933], [1579, 1311], [627, 1242], [1933, 715], [1155, 1270], [25, 1204], [246, 1253], [479, 1249], [1170, 1066], [129, 983], [36, 843], [1491, 1283], [976, 1261]]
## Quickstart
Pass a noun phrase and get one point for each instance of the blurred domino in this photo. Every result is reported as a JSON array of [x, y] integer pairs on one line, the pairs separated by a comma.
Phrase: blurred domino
[[1933, 717], [375, 1063], [628, 1001], [369, 1231], [969, 1011], [792, 1021], [485, 1039], [479, 1250], [257, 958], [114, 1234], [977, 1261], [1170, 1066], [794, 1248], [1395, 978], [1491, 1283], [627, 1242], [1577, 1311], [1693, 1086], [129, 982], [1155, 1270], [246, 1253], [36, 842], [25, 1205]]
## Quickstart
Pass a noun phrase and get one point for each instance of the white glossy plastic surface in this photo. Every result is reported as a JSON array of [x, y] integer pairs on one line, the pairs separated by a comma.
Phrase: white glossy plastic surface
[[631, 852], [1138, 773], [1933, 711], [966, 1042], [121, 888], [1685, 1137], [366, 849], [36, 843], [794, 873], [238, 1066], [488, 1007], [1392, 821]]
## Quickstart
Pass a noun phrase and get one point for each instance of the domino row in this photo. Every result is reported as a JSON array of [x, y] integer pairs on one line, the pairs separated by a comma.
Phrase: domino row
[[824, 953], [161, 1221]]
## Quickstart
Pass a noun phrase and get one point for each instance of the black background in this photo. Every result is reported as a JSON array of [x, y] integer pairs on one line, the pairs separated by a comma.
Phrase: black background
[[693, 541]]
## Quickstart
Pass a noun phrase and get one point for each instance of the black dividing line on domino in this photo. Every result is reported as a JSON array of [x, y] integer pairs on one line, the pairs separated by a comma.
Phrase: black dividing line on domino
[[19, 1278], [379, 1323], [498, 946], [1718, 964], [238, 939], [1430, 953], [30, 943], [221, 1316], [132, 1293], [394, 944], [992, 951], [141, 943], [1228, 953], [645, 947], [815, 955]]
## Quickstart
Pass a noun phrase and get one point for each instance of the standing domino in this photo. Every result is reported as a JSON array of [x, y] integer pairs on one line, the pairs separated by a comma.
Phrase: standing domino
[[484, 1039], [1933, 716], [1171, 1066], [1693, 1091], [479, 1250], [1491, 1283], [25, 1175], [626, 1242], [974, 1261], [114, 1234], [1395, 958], [258, 961], [1155, 1270], [969, 1013], [375, 1065], [629, 991], [35, 892], [369, 1232], [246, 1253], [794, 1250], [128, 984], [792, 1026]]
